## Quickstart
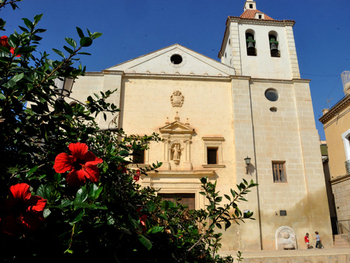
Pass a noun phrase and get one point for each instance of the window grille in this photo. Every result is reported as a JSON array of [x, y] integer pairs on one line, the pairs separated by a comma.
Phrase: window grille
[[279, 172]]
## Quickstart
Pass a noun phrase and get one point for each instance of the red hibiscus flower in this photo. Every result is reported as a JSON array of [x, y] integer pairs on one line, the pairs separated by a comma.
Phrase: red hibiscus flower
[[137, 175], [4, 42], [21, 211], [143, 219], [122, 168], [81, 164]]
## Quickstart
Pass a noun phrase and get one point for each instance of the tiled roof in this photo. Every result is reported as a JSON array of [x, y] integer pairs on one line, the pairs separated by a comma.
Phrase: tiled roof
[[250, 14]]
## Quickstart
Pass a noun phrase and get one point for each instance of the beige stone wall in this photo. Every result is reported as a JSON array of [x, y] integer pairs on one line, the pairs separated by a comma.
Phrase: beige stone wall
[[341, 191], [287, 135]]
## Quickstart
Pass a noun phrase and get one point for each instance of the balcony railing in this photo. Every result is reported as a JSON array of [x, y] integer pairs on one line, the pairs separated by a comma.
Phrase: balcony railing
[[347, 166], [344, 228]]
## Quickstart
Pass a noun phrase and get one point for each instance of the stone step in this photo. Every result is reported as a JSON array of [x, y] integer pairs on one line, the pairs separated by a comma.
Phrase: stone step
[[340, 241]]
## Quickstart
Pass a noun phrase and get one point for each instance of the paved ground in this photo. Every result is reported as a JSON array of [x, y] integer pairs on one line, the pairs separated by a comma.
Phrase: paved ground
[[292, 253]]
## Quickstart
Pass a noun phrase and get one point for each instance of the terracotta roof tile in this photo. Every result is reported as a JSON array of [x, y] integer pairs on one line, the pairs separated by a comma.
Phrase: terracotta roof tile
[[250, 14]]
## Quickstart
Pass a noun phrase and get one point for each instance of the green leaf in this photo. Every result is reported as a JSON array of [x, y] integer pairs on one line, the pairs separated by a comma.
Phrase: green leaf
[[165, 205], [80, 32], [94, 191], [228, 197], [23, 29], [37, 18], [218, 225], [59, 52], [78, 216], [69, 50], [84, 53], [218, 199], [46, 212], [81, 195], [227, 224], [71, 42], [31, 171], [13, 41], [96, 35], [2, 96], [155, 229], [146, 242], [28, 23], [85, 41], [151, 206], [233, 193]]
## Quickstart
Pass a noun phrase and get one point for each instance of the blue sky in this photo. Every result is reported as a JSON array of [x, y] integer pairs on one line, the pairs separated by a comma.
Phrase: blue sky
[[136, 27]]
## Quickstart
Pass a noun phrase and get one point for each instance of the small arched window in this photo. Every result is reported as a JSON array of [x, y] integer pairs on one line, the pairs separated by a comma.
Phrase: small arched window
[[250, 43], [274, 44]]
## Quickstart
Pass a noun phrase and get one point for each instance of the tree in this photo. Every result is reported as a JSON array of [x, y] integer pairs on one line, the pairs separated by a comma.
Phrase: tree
[[66, 190]]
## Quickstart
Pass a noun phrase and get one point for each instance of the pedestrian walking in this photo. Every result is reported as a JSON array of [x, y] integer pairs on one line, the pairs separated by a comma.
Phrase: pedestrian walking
[[318, 241]]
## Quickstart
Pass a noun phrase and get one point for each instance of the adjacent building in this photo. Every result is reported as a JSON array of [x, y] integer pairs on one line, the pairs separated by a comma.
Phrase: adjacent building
[[212, 115], [336, 124]]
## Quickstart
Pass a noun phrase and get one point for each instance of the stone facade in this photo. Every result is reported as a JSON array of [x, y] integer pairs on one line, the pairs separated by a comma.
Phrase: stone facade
[[213, 115]]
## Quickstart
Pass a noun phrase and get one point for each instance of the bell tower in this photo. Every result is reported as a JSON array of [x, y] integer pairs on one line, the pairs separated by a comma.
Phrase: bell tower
[[259, 46]]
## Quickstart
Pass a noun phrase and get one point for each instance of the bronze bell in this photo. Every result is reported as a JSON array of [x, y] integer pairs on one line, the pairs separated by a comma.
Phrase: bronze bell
[[273, 47], [250, 45]]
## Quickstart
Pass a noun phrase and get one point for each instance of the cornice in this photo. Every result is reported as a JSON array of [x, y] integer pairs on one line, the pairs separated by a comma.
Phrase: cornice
[[260, 21], [289, 81], [181, 173], [195, 77], [340, 179], [335, 109], [104, 72], [99, 73], [180, 76]]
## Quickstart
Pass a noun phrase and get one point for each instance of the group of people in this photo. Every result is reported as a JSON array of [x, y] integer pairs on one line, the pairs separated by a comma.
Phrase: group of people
[[318, 241]]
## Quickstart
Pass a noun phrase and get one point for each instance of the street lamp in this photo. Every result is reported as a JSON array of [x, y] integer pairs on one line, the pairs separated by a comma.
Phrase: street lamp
[[247, 162], [64, 85]]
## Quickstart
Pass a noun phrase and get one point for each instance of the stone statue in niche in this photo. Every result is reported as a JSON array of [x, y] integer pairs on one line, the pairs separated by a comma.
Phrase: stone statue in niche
[[177, 99], [286, 238], [176, 152]]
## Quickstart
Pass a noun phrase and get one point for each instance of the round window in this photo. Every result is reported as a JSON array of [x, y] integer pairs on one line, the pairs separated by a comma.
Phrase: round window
[[271, 95], [176, 59]]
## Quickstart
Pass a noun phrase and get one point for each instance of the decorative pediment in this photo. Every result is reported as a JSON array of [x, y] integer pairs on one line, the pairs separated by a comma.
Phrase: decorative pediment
[[177, 127], [175, 60]]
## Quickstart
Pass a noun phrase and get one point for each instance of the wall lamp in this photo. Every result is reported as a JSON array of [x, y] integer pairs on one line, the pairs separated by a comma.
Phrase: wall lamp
[[247, 162]]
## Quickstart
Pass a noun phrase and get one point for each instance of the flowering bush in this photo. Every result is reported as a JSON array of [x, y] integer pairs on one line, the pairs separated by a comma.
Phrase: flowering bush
[[85, 204]]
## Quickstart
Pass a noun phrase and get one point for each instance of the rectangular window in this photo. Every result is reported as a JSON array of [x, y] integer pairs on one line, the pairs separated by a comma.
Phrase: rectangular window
[[184, 199], [279, 171], [212, 155], [138, 156]]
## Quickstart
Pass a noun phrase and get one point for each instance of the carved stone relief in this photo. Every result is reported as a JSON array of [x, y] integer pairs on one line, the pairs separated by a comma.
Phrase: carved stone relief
[[177, 99], [285, 238]]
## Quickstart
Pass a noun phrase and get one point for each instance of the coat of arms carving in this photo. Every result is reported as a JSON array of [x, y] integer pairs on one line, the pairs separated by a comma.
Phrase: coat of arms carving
[[177, 99]]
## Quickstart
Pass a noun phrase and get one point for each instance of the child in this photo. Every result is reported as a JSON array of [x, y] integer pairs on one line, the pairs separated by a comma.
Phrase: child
[[318, 241], [307, 240]]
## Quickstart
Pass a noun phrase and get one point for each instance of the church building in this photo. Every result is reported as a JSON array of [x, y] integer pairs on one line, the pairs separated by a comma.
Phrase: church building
[[213, 115]]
